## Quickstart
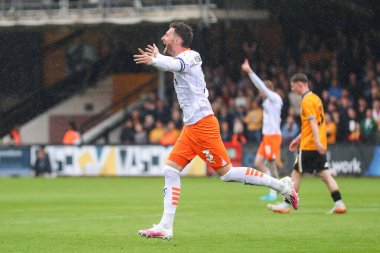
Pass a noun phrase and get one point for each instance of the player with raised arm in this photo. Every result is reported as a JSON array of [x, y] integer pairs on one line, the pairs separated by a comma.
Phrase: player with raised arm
[[271, 143], [200, 134], [312, 143]]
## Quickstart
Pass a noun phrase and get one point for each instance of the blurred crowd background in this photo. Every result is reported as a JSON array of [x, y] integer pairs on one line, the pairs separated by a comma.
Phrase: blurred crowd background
[[344, 70], [335, 45]]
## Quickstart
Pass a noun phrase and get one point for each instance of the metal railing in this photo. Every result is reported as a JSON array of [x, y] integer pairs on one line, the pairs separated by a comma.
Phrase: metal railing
[[46, 12]]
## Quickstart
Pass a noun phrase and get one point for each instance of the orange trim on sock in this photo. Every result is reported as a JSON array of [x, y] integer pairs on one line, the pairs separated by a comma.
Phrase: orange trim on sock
[[175, 198], [261, 174], [256, 173], [252, 172], [248, 171], [176, 193], [176, 189], [175, 203]]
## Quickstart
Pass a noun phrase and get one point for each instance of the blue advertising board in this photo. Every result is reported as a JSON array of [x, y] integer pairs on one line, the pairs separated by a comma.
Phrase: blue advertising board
[[15, 161]]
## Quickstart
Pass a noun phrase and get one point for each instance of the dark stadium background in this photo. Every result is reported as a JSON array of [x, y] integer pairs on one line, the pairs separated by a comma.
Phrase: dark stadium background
[[45, 65]]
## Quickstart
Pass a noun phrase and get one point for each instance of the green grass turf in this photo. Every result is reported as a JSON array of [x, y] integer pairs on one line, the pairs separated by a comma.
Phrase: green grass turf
[[104, 214]]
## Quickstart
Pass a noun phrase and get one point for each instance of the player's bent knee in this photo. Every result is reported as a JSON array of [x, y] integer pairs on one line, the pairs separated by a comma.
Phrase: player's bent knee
[[227, 177], [168, 170]]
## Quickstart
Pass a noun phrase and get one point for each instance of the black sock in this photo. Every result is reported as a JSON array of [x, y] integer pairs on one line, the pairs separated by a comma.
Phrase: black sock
[[336, 196]]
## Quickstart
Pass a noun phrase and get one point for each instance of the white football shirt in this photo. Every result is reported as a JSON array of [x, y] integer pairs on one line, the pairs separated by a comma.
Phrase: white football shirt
[[189, 84], [272, 106]]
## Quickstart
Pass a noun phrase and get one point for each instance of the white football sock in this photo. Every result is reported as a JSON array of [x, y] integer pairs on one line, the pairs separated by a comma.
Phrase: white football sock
[[171, 196], [271, 191], [248, 175]]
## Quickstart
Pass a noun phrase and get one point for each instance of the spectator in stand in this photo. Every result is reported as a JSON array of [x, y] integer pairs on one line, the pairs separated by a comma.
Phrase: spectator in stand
[[354, 86], [374, 92], [72, 135], [162, 112], [226, 96], [331, 129], [325, 97], [377, 71], [140, 136], [171, 135], [224, 115], [15, 135], [376, 112], [225, 132], [319, 84], [42, 166], [136, 116], [289, 130], [148, 123], [157, 132], [368, 78], [238, 136], [354, 134], [343, 131], [127, 135], [362, 108], [176, 119], [348, 96], [254, 122], [241, 99], [149, 108], [335, 90], [368, 127], [335, 116]]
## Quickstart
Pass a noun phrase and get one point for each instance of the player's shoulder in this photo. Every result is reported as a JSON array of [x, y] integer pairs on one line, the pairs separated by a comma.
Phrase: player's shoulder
[[190, 56], [311, 98]]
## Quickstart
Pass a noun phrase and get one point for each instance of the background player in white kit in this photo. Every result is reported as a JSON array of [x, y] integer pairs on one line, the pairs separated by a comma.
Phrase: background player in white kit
[[271, 143], [200, 134]]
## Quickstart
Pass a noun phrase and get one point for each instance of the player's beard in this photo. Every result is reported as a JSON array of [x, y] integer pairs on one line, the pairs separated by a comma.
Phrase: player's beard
[[168, 50]]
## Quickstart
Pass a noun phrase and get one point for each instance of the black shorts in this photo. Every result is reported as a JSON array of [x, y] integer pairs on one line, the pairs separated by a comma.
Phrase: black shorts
[[310, 161]]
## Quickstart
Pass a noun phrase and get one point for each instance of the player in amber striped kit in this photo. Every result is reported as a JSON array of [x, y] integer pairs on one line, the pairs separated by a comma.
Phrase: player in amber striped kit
[[312, 143]]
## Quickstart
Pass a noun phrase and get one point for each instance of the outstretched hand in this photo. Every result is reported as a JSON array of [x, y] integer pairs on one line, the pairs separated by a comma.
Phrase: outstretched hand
[[143, 58], [246, 67], [152, 50]]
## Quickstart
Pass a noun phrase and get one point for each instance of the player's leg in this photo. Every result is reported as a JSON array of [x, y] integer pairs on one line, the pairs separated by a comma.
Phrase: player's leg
[[279, 162], [332, 186], [260, 164], [268, 151], [211, 149], [284, 207], [251, 176], [179, 157], [274, 172]]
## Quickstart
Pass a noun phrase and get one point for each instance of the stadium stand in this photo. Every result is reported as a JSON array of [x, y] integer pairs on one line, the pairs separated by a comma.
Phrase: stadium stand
[[341, 61]]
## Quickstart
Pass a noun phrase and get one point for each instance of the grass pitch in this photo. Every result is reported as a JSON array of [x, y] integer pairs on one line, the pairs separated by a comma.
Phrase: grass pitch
[[104, 214]]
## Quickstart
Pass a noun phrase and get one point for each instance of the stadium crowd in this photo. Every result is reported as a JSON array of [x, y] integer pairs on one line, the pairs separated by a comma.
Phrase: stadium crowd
[[343, 70]]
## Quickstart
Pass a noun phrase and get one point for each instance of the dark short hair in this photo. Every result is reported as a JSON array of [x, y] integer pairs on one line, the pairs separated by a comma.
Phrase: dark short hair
[[184, 31], [299, 77]]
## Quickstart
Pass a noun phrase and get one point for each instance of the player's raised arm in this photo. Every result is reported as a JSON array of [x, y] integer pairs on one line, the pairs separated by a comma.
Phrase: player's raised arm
[[260, 85], [152, 57]]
